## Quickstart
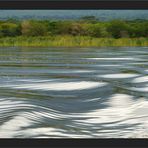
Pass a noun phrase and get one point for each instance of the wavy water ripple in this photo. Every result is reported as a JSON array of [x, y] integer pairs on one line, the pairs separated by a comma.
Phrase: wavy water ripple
[[73, 93]]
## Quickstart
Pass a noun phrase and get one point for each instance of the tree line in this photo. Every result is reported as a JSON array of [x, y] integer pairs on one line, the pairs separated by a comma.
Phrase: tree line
[[87, 26]]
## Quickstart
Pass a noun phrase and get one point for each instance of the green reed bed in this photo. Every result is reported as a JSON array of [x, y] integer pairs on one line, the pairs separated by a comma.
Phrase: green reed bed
[[71, 41]]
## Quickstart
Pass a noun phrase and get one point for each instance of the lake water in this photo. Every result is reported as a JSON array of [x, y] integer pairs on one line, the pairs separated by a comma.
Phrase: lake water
[[74, 92]]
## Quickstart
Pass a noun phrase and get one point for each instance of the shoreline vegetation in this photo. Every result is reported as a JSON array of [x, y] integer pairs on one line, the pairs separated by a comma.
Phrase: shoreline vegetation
[[71, 41], [85, 32]]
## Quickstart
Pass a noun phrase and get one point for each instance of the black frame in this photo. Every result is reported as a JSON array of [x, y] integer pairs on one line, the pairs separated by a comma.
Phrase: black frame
[[71, 4], [74, 143]]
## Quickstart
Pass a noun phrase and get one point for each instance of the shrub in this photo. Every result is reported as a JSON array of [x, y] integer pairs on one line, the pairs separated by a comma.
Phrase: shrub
[[33, 28]]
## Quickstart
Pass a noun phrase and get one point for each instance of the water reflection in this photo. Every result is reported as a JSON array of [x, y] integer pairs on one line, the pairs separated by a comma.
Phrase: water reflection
[[73, 93], [57, 86]]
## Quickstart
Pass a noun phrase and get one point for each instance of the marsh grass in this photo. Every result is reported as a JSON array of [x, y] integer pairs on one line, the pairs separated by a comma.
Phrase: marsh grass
[[71, 41]]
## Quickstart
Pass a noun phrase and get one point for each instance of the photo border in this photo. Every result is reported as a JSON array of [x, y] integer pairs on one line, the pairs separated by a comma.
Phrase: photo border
[[73, 5]]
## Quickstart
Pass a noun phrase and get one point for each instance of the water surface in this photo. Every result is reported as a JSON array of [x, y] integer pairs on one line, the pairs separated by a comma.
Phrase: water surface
[[74, 92]]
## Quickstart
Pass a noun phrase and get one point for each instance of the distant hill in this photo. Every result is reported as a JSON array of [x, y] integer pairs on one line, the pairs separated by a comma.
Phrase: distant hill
[[74, 14]]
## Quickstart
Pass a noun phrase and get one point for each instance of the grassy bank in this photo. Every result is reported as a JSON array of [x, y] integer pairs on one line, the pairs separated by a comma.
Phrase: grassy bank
[[71, 41]]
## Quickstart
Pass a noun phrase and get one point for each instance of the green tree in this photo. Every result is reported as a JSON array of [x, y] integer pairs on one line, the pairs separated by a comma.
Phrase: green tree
[[97, 30], [33, 28], [69, 27], [118, 29], [9, 29], [139, 29], [76, 29]]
